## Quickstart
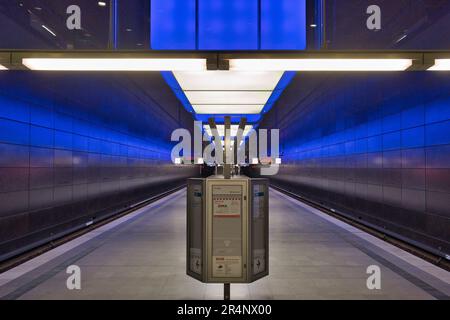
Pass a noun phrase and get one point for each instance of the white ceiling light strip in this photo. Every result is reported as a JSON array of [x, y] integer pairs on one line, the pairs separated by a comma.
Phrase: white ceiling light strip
[[441, 65], [233, 130], [114, 64], [252, 65], [228, 92], [228, 97], [228, 108], [228, 80]]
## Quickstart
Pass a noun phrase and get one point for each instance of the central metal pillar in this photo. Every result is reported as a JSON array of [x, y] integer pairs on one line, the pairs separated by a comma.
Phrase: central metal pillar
[[227, 165], [226, 291]]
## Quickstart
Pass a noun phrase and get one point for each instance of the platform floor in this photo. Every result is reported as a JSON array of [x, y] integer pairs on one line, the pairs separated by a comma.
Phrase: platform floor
[[142, 256]]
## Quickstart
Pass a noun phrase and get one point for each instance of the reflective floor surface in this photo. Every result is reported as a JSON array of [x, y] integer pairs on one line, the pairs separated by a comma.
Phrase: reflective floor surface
[[142, 256]]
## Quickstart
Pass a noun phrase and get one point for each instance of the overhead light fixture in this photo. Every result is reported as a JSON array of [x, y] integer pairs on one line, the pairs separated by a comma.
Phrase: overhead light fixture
[[228, 97], [102, 4], [233, 130], [320, 64], [228, 80], [441, 65], [227, 108], [113, 64]]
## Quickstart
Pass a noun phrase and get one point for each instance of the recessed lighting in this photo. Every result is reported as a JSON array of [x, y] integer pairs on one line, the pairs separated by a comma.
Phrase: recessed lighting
[[401, 38], [113, 64], [313, 25], [102, 4], [128, 29], [38, 8], [49, 30]]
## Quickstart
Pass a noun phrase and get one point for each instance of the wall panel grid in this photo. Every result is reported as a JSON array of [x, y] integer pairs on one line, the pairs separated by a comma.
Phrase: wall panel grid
[[378, 154], [65, 164]]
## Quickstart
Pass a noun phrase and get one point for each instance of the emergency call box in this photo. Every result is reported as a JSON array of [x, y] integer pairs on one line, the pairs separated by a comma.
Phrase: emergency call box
[[227, 229]]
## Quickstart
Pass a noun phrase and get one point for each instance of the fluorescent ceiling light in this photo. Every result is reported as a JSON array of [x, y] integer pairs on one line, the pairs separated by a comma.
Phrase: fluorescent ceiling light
[[228, 80], [113, 64], [441, 65], [3, 67], [102, 4], [320, 64], [228, 97], [227, 109], [233, 130]]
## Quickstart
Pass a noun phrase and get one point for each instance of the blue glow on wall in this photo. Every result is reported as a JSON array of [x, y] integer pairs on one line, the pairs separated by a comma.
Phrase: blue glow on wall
[[283, 24], [177, 90]]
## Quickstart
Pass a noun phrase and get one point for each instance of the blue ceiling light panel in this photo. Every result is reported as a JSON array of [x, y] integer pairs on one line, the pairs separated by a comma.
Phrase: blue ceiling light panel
[[228, 25], [283, 24], [173, 24]]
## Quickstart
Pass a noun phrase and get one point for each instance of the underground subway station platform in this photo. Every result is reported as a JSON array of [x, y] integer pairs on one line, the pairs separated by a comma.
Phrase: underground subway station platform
[[232, 153]]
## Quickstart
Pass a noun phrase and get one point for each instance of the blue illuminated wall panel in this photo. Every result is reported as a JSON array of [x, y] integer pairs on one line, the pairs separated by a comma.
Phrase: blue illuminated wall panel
[[70, 152], [283, 24], [374, 147], [228, 25], [173, 24]]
